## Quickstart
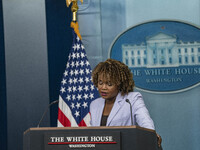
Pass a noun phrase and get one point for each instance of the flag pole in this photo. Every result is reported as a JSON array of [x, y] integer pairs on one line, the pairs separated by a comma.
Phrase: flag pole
[[74, 8]]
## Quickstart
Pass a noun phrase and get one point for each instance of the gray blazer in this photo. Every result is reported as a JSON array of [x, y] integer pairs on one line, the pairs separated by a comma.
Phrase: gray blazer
[[120, 113]]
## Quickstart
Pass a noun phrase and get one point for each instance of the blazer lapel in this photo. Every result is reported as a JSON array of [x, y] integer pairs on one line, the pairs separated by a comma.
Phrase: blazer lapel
[[99, 111], [116, 107]]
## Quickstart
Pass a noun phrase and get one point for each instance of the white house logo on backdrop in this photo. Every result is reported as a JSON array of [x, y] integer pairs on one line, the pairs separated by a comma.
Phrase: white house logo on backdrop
[[161, 50], [164, 56]]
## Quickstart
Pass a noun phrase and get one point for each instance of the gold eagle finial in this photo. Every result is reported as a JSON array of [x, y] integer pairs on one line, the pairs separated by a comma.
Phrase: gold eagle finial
[[68, 2], [74, 7]]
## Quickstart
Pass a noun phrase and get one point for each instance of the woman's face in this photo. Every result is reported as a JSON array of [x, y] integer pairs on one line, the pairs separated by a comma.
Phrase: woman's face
[[106, 88]]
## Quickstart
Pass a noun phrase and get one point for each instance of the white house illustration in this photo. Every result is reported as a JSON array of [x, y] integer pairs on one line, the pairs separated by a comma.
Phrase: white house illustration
[[161, 50]]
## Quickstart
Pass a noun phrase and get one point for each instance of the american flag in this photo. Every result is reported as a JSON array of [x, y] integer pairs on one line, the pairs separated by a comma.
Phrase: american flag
[[77, 90]]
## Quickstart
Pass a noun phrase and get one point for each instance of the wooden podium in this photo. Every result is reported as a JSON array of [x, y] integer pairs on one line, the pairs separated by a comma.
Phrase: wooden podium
[[90, 138]]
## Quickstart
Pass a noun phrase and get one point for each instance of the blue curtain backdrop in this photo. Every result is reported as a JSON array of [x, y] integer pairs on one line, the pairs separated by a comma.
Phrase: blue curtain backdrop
[[59, 40], [3, 120]]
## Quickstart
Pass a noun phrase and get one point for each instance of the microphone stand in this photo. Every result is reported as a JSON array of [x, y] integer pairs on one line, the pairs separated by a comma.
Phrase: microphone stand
[[54, 102], [127, 100]]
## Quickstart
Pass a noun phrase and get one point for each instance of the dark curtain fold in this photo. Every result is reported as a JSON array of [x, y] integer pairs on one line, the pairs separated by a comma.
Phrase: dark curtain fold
[[3, 118], [59, 40]]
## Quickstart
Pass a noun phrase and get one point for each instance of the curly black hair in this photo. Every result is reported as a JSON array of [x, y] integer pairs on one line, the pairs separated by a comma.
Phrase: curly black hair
[[118, 73]]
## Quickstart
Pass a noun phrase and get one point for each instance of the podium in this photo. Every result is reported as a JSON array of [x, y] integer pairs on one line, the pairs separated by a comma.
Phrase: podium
[[90, 138]]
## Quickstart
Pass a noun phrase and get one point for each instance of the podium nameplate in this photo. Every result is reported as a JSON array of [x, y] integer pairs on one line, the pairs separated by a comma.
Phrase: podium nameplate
[[97, 140]]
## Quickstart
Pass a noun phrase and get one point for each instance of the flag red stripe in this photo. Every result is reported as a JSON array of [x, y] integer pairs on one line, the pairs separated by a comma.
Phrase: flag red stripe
[[63, 119], [82, 124]]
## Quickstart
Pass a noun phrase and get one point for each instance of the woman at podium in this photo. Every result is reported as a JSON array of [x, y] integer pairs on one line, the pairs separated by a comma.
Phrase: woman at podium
[[115, 84]]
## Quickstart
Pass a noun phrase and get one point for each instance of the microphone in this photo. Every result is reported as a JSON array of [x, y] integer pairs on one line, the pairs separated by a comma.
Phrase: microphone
[[127, 100], [54, 102]]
